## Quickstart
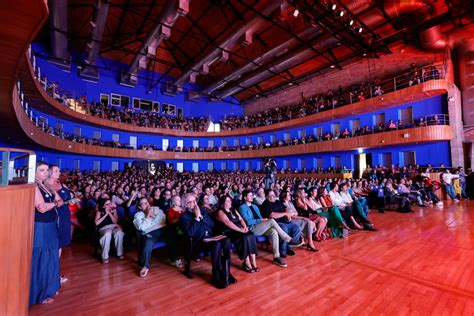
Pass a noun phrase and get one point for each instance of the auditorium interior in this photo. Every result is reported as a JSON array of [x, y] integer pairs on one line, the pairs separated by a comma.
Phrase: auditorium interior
[[157, 151]]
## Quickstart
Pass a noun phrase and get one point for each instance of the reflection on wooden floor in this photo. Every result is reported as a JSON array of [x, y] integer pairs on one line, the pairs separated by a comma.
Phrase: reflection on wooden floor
[[420, 263]]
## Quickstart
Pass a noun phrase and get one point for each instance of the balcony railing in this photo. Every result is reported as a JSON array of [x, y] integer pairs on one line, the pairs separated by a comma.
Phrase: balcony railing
[[315, 104], [42, 124]]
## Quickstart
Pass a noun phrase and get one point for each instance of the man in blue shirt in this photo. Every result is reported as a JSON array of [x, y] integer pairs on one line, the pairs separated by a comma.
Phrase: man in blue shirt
[[263, 226]]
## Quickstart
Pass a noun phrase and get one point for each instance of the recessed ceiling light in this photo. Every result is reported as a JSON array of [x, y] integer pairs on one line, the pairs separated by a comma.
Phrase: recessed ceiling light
[[333, 66], [341, 14], [334, 7], [296, 12], [351, 22], [360, 30], [364, 54]]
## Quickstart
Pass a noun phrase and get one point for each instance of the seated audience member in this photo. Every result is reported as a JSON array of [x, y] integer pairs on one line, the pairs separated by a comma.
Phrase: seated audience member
[[391, 125], [403, 189], [165, 201], [263, 226], [106, 220], [212, 199], [346, 133], [155, 197], [378, 91], [346, 209], [429, 187], [204, 205], [306, 225], [303, 208], [323, 205], [392, 196], [119, 197], [150, 221], [272, 208], [260, 197], [358, 211], [200, 227], [174, 232], [233, 226]]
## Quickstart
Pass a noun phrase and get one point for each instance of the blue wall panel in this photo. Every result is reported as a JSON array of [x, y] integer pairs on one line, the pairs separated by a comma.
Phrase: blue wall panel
[[434, 153]]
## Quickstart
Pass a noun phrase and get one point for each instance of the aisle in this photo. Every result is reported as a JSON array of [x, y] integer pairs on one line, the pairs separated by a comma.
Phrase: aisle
[[419, 263]]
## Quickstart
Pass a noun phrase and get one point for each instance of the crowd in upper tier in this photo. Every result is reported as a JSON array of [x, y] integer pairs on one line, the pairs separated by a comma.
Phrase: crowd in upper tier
[[215, 211], [324, 136], [316, 103]]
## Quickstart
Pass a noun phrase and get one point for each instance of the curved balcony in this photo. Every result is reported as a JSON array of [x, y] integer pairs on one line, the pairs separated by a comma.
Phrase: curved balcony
[[398, 137], [45, 103]]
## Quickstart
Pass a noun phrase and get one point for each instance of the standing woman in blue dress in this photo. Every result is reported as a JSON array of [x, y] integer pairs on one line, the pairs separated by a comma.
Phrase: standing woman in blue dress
[[64, 220], [45, 281]]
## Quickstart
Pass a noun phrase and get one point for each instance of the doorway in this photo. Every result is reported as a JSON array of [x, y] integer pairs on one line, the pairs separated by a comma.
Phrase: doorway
[[361, 161]]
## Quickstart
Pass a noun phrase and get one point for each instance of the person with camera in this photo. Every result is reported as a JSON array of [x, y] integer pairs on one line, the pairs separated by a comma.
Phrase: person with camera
[[106, 220], [270, 167]]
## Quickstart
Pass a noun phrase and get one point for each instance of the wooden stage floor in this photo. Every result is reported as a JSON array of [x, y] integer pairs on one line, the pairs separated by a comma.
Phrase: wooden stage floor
[[416, 264]]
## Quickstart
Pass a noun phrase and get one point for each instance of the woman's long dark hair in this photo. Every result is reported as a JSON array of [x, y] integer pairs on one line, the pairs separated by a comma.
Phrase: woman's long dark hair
[[221, 202]]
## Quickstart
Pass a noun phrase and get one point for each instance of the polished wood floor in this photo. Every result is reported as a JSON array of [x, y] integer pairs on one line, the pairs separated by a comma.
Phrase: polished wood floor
[[416, 264]]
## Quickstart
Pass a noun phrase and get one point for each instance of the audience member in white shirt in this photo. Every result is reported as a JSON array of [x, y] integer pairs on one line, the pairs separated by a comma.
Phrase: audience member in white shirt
[[150, 221], [448, 183]]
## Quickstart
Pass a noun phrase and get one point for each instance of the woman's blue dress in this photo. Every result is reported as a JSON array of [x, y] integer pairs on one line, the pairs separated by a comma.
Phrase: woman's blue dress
[[45, 278]]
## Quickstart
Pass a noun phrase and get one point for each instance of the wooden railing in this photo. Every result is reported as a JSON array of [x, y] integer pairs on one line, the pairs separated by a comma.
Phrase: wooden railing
[[45, 103], [398, 137]]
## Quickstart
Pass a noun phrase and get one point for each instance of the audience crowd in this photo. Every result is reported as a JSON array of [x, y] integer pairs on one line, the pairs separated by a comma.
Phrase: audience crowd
[[217, 211], [324, 136], [314, 104]]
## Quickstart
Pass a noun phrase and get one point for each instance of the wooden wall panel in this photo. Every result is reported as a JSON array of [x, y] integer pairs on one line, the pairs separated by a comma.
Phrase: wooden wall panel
[[20, 20], [47, 104], [413, 136], [16, 236]]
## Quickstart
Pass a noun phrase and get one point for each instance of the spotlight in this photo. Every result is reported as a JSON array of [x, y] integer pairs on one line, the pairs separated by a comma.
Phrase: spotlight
[[364, 54], [334, 7], [360, 30], [351, 22], [341, 14], [296, 13], [333, 66]]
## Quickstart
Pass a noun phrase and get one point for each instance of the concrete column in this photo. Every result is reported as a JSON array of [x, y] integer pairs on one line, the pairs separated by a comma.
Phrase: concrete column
[[456, 123]]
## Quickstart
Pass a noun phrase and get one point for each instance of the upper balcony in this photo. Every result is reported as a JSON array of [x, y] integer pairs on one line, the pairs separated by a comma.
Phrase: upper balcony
[[414, 135], [397, 91]]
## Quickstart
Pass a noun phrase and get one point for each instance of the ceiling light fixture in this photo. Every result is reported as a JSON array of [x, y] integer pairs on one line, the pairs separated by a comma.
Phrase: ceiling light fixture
[[334, 7], [296, 13], [341, 14], [333, 66], [351, 22], [360, 30]]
